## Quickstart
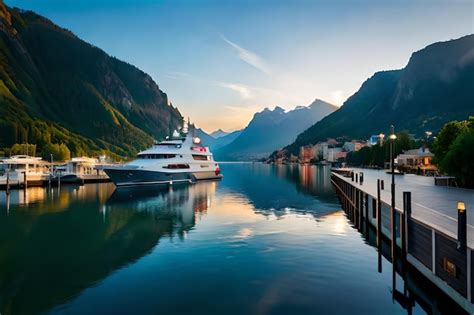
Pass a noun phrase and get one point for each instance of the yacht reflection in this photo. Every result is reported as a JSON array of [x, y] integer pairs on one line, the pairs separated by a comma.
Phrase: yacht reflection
[[49, 257], [54, 199]]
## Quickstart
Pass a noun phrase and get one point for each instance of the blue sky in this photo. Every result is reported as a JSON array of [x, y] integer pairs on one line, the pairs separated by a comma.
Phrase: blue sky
[[221, 61]]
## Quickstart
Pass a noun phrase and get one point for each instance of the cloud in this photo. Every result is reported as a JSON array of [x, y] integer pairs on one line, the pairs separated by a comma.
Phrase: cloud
[[244, 91], [249, 57], [177, 75]]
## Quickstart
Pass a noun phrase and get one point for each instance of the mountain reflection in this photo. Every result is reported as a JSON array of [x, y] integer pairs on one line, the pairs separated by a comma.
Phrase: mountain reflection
[[278, 188], [52, 250]]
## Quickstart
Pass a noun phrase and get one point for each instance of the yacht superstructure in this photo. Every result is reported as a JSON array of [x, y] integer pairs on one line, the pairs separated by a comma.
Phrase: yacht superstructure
[[178, 159]]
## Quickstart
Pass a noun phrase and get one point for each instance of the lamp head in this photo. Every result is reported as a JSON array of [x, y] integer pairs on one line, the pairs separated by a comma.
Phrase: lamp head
[[461, 206]]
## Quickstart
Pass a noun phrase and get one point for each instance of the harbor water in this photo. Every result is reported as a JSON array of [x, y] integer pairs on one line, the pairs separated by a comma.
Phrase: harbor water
[[266, 239]]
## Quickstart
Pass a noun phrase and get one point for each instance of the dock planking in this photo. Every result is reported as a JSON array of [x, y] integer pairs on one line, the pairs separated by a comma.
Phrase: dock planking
[[433, 205], [425, 226]]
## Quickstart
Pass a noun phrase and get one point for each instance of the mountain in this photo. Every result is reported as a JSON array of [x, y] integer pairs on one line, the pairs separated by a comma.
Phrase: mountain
[[436, 86], [225, 140], [218, 133], [56, 88], [272, 129], [206, 139], [215, 143]]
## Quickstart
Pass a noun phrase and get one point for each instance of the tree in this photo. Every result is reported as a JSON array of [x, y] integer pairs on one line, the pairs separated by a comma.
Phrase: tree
[[28, 149], [60, 152], [446, 137], [459, 160]]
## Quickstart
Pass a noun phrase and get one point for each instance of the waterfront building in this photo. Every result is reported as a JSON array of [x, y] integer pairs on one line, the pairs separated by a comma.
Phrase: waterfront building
[[307, 153], [419, 160], [336, 153], [354, 145]]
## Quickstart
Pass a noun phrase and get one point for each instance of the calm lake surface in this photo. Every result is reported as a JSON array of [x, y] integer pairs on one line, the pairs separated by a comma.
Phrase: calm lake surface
[[265, 240]]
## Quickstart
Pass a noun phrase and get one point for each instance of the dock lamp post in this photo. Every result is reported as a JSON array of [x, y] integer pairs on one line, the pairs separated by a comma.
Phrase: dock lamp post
[[462, 226], [392, 138]]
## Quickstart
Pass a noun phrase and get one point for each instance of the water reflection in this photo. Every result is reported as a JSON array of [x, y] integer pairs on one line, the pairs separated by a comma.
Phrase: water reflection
[[277, 189], [53, 249], [266, 239]]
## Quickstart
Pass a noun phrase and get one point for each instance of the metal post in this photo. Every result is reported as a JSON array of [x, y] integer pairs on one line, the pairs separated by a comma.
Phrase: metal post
[[361, 177], [382, 186], [379, 217], [405, 225], [357, 177], [462, 226], [392, 208], [352, 176]]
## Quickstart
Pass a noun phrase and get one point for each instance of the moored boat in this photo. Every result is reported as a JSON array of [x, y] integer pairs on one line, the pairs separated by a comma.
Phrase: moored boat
[[179, 159]]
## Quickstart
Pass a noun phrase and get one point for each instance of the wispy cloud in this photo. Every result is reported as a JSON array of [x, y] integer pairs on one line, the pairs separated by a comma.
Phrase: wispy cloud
[[177, 75], [249, 57], [244, 91]]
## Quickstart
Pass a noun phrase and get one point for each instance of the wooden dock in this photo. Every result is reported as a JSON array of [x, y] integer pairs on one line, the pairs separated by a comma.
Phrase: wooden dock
[[424, 225]]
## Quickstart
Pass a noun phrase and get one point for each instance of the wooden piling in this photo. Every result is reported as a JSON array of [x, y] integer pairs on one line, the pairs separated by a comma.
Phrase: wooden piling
[[25, 181], [406, 219], [382, 185], [8, 183], [379, 216]]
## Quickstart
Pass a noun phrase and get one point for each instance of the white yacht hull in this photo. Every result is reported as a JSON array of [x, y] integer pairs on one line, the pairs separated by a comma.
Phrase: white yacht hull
[[130, 177]]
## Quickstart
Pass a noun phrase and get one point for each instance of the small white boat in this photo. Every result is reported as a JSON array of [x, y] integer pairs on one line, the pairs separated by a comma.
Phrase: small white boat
[[18, 167], [180, 159], [80, 170]]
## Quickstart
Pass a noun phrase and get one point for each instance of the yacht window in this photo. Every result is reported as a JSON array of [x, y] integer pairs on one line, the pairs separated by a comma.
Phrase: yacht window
[[176, 166], [156, 156], [201, 157]]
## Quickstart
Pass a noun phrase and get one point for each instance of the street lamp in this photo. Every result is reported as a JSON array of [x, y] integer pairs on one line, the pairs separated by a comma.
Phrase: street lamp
[[381, 136]]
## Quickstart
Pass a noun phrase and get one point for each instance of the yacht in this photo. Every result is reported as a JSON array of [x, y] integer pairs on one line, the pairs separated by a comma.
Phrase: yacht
[[179, 159]]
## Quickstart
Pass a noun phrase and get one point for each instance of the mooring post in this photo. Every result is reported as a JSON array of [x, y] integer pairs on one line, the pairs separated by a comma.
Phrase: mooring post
[[379, 216], [7, 191], [462, 226], [352, 175], [366, 208], [25, 182], [406, 219], [381, 184], [357, 177], [361, 178]]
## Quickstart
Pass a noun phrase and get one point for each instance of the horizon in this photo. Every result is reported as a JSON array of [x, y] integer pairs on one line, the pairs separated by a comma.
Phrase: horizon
[[222, 68]]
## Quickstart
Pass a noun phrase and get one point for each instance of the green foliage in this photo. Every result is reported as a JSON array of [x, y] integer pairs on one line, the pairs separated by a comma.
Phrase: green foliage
[[458, 159], [60, 152], [27, 149], [58, 89], [446, 138]]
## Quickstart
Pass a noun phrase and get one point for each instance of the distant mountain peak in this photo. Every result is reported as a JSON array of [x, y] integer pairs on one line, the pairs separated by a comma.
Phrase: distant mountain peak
[[218, 133]]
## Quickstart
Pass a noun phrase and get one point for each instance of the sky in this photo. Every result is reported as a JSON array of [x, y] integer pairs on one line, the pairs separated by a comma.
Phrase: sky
[[221, 61]]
